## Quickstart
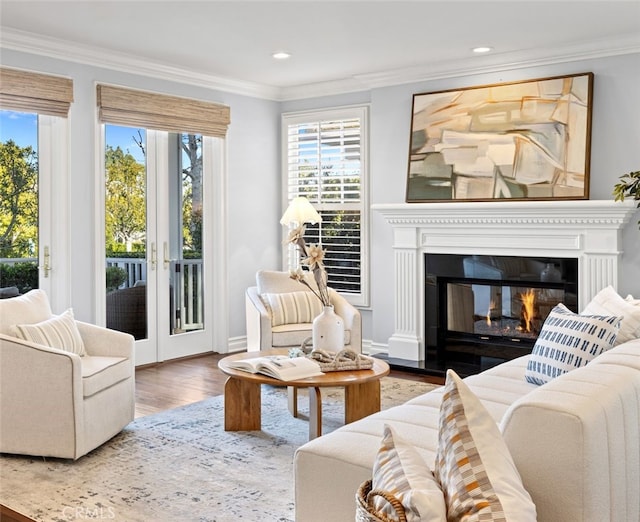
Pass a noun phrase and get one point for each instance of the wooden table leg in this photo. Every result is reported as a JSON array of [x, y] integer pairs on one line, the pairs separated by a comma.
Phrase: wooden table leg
[[292, 398], [242, 405], [315, 413], [361, 400]]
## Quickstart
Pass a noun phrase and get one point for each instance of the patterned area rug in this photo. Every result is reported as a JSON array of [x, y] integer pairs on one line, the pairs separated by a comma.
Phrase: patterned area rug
[[182, 465]]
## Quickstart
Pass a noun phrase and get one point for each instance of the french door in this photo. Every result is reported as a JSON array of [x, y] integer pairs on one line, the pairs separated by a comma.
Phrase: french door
[[33, 210], [158, 279]]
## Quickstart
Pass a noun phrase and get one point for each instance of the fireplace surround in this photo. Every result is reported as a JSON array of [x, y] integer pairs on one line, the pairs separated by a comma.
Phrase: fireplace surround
[[587, 230]]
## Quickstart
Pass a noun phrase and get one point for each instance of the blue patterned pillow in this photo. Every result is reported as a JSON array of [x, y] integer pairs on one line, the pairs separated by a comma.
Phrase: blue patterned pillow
[[568, 341]]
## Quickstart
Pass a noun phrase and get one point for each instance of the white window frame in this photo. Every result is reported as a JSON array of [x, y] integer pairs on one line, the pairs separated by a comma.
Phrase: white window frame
[[337, 113]]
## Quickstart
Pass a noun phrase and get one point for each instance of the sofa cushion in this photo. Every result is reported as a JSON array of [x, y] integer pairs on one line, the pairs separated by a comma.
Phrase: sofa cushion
[[59, 331], [608, 302], [292, 307], [9, 291], [99, 373], [473, 465], [32, 307], [400, 470], [568, 341]]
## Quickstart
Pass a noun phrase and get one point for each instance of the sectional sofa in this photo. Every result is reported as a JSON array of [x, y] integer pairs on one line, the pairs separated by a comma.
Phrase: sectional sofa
[[575, 441]]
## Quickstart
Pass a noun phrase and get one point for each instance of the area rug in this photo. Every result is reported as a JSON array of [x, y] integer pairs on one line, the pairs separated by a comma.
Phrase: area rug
[[182, 465]]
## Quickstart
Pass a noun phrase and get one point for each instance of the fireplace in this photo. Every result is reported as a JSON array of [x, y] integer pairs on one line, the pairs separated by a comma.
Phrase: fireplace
[[586, 230], [482, 310]]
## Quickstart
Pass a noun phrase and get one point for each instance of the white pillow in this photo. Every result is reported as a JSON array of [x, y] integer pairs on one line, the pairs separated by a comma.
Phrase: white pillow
[[400, 470], [473, 464], [29, 308], [608, 302], [568, 341], [292, 307], [60, 331]]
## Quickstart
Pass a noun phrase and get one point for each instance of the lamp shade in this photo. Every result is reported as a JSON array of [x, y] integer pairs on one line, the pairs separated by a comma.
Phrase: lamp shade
[[300, 211]]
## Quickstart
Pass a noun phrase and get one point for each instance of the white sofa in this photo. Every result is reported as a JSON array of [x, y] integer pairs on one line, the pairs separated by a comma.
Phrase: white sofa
[[574, 440], [54, 403]]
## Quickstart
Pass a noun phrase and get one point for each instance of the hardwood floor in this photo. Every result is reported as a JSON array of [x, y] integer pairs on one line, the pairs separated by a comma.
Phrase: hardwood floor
[[178, 382]]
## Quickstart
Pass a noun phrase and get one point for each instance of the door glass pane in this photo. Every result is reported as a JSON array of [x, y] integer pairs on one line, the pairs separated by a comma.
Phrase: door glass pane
[[18, 200], [186, 234], [126, 229]]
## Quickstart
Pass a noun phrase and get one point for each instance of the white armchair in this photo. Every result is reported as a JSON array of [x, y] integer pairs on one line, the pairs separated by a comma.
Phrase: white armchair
[[261, 335], [55, 403]]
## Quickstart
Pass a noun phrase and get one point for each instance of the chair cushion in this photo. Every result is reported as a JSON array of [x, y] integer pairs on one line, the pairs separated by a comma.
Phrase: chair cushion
[[292, 307], [568, 341], [99, 373], [30, 308], [288, 335], [59, 331]]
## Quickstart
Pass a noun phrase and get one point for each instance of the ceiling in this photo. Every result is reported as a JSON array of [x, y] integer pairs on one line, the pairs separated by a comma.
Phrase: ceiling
[[339, 46]]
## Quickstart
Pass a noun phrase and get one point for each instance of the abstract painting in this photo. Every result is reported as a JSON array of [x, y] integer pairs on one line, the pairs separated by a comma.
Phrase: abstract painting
[[527, 140]]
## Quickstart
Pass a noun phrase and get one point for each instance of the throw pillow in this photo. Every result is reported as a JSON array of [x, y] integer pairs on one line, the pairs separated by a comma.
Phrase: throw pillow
[[608, 302], [29, 308], [568, 341], [473, 464], [292, 307], [400, 470], [58, 332]]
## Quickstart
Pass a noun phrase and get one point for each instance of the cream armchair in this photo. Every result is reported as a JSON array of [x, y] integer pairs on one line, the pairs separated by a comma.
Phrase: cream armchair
[[261, 335], [55, 403]]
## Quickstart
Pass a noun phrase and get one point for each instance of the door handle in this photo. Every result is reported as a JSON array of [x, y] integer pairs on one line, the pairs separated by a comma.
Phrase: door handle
[[46, 267], [154, 256], [165, 252]]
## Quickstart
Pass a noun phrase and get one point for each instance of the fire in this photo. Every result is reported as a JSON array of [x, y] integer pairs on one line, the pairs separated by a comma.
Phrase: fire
[[527, 299]]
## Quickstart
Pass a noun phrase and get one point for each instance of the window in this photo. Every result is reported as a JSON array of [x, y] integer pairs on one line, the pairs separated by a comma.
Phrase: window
[[325, 160]]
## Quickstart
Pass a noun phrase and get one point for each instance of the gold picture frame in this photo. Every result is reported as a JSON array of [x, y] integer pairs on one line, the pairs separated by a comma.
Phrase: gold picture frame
[[526, 140]]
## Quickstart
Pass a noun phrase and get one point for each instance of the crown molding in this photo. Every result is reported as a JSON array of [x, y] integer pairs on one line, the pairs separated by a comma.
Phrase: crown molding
[[495, 62], [69, 51], [64, 50]]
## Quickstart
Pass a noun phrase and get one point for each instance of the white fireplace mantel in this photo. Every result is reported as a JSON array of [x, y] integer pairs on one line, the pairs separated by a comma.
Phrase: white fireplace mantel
[[589, 230]]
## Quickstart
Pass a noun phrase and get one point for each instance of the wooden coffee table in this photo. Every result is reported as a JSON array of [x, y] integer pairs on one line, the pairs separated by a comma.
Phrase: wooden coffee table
[[242, 400]]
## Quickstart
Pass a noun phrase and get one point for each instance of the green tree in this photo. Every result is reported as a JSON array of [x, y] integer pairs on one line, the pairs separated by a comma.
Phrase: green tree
[[192, 192], [18, 200], [125, 207]]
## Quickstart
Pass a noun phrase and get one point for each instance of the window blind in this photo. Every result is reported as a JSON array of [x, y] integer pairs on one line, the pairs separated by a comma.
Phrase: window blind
[[34, 92], [326, 164], [122, 106]]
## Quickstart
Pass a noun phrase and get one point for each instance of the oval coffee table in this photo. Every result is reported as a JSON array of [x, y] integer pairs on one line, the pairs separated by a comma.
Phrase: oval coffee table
[[242, 400]]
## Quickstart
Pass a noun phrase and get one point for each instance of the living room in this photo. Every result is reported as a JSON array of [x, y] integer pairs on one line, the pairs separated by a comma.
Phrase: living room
[[248, 233]]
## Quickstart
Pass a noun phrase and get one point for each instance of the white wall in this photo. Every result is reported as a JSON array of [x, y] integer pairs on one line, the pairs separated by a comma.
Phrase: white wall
[[254, 186]]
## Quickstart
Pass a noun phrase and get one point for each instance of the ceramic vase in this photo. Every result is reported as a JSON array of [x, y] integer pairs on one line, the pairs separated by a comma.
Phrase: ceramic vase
[[328, 331], [550, 274]]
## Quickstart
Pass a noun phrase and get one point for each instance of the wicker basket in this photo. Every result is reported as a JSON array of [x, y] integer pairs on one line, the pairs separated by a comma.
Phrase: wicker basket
[[365, 512]]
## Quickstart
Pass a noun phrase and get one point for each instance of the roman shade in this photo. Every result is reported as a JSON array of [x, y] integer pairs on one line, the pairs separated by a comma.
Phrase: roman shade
[[34, 92], [122, 106]]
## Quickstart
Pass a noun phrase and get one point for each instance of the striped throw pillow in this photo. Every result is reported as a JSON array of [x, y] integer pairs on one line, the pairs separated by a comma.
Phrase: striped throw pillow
[[568, 341], [473, 464], [400, 470], [292, 307], [58, 332]]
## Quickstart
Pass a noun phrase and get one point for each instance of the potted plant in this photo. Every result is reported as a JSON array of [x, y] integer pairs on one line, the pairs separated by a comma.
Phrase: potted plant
[[629, 185]]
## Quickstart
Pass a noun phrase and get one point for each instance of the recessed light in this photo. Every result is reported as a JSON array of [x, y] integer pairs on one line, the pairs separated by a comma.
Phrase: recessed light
[[281, 55], [482, 49]]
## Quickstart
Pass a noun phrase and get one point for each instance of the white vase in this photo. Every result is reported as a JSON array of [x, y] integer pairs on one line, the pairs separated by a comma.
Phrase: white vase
[[328, 331]]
